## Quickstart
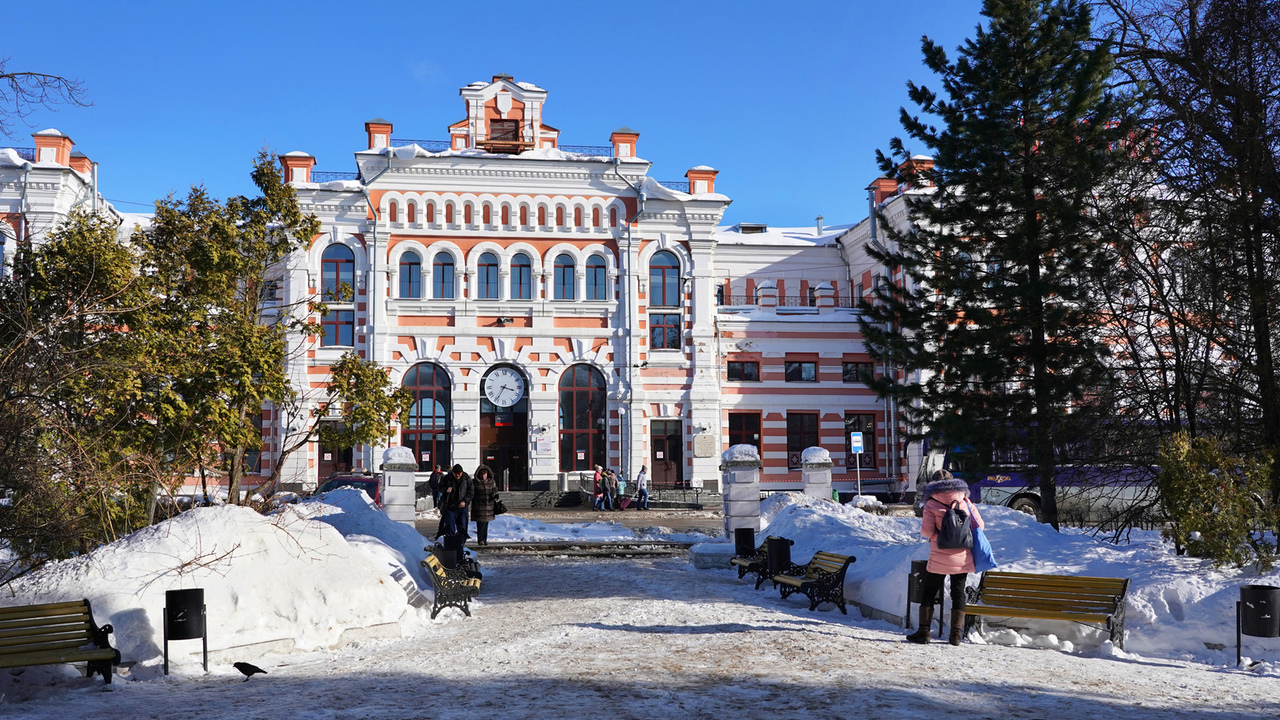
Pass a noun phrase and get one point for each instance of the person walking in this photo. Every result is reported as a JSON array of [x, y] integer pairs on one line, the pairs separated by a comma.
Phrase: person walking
[[597, 486], [642, 488], [434, 483], [486, 492], [457, 491], [943, 493], [611, 490]]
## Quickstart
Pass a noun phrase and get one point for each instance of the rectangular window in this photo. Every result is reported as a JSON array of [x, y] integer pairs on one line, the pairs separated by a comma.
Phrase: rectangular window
[[802, 433], [744, 429], [664, 332], [802, 371], [744, 371], [857, 372], [864, 423], [339, 328]]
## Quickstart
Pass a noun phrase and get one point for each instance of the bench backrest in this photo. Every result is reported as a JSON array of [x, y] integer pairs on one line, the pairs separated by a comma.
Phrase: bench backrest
[[1053, 592], [827, 562], [436, 566], [52, 627]]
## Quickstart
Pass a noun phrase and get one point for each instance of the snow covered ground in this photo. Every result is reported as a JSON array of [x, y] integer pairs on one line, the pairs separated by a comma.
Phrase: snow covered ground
[[571, 638]]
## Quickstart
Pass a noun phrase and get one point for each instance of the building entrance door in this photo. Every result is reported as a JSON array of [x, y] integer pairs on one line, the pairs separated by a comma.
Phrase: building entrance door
[[666, 462], [332, 460]]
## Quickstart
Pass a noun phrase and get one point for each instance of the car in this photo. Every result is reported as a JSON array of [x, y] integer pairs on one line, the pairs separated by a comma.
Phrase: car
[[370, 484]]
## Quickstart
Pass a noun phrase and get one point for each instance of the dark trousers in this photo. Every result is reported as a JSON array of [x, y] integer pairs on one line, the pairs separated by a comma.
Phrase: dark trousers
[[455, 522], [642, 499], [482, 531], [931, 583]]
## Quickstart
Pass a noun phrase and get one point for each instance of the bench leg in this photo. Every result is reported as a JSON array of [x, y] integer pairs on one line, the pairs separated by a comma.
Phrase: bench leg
[[100, 667]]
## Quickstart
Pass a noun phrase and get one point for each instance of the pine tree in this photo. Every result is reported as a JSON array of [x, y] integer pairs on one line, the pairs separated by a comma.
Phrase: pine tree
[[995, 324]]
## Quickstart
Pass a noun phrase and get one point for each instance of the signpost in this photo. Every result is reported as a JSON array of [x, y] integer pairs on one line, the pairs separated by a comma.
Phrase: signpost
[[855, 447]]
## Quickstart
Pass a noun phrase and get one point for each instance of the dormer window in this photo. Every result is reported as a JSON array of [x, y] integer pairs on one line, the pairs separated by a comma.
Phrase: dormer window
[[507, 130]]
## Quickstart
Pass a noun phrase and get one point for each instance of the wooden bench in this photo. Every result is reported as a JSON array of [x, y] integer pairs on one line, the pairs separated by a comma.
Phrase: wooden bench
[[53, 634], [452, 587], [1096, 600], [822, 580], [757, 564]]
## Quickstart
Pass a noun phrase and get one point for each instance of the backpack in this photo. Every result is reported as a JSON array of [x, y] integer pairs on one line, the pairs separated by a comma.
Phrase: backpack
[[954, 533]]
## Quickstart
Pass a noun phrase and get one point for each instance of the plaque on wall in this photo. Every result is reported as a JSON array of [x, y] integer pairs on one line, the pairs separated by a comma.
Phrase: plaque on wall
[[704, 446]]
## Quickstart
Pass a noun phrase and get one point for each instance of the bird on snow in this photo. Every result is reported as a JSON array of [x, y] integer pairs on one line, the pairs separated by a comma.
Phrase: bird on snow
[[248, 670]]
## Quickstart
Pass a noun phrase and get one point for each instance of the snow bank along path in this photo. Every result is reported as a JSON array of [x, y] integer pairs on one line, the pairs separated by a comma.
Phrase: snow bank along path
[[656, 639]]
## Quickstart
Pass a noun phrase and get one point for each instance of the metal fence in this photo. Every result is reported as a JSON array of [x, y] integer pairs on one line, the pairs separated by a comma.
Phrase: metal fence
[[601, 150], [428, 145], [328, 176], [678, 185], [28, 154], [785, 301]]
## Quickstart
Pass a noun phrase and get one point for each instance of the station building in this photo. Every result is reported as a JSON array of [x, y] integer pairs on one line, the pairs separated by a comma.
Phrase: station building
[[555, 307]]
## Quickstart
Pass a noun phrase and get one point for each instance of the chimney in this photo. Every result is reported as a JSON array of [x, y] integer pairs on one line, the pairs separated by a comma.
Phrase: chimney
[[81, 163], [52, 147], [624, 142], [702, 179], [819, 221], [915, 170], [882, 188], [297, 166], [379, 132]]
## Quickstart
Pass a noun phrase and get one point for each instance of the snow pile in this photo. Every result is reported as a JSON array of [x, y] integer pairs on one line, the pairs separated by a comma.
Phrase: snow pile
[[398, 455], [870, 503], [740, 453], [10, 158], [1178, 607], [814, 455], [291, 580]]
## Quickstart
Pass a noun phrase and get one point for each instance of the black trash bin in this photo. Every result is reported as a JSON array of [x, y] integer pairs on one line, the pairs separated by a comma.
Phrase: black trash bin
[[184, 619], [1260, 610], [744, 542], [448, 557], [778, 553], [915, 592]]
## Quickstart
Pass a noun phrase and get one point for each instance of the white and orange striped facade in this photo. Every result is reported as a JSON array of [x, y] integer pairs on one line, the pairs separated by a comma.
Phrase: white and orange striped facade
[[628, 325]]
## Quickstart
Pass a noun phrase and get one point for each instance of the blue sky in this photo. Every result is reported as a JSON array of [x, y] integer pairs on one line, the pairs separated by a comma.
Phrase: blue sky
[[788, 100]]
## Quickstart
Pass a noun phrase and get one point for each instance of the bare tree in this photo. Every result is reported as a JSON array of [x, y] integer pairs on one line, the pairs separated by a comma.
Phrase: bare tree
[[22, 93]]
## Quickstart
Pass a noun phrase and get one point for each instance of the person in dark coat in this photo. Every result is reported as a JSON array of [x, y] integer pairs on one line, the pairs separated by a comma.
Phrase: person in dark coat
[[434, 483], [486, 492], [457, 491], [944, 492]]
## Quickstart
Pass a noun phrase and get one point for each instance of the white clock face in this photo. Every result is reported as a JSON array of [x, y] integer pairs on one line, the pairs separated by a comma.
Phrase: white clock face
[[504, 387]]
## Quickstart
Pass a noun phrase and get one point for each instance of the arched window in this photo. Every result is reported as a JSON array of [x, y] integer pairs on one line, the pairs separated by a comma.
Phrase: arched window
[[426, 430], [431, 212], [487, 277], [613, 217], [542, 216], [582, 406], [337, 274], [506, 215], [559, 216], [577, 216], [597, 278], [448, 214], [410, 275], [564, 280], [337, 287], [394, 213], [595, 217], [487, 215], [664, 280], [442, 276], [524, 216], [466, 214], [411, 210], [521, 277]]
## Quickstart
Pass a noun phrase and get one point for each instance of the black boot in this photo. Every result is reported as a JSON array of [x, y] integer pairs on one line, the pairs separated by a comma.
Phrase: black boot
[[921, 635], [957, 626]]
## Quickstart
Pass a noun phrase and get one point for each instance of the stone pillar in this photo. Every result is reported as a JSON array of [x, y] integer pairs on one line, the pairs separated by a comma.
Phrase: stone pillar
[[815, 472], [740, 473], [398, 468]]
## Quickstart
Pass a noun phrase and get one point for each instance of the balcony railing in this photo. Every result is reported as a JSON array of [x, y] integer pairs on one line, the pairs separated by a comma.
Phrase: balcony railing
[[600, 150], [318, 176], [428, 145], [785, 301], [28, 154], [677, 185]]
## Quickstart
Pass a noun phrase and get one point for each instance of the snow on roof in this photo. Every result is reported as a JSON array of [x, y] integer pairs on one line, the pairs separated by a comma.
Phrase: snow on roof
[[53, 132], [732, 235], [704, 167], [10, 158], [528, 86], [297, 153]]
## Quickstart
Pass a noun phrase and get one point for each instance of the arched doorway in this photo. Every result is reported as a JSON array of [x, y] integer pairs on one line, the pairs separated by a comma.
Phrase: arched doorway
[[582, 407], [504, 426], [426, 431]]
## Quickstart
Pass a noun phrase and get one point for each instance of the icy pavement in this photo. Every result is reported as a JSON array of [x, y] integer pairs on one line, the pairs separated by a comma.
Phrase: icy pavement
[[554, 638]]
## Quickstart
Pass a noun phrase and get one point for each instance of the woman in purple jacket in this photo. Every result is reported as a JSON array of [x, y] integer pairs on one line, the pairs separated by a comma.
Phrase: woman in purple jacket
[[940, 495]]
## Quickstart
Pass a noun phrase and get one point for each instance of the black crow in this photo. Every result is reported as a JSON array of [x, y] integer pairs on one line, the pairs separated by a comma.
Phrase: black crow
[[249, 670]]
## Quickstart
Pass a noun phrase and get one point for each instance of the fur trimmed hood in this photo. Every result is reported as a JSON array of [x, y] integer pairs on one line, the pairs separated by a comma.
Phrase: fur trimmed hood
[[947, 485]]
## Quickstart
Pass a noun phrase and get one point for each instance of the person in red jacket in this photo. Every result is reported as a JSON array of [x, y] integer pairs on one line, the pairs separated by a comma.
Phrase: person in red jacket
[[943, 493]]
